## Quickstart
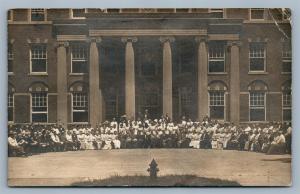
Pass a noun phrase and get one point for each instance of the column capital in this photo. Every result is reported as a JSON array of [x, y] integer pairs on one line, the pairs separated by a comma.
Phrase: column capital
[[94, 39], [62, 44], [129, 39], [234, 43], [201, 38], [164, 39]]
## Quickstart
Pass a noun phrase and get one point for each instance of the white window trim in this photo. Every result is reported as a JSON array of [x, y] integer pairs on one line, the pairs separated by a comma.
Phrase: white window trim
[[13, 107], [284, 107], [30, 61], [72, 16], [83, 60], [250, 15], [265, 61], [265, 108], [286, 58], [45, 16], [31, 112], [218, 11], [216, 59], [225, 107], [72, 110]]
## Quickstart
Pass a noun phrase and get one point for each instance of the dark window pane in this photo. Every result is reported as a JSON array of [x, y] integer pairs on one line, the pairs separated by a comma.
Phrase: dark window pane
[[39, 117], [257, 114], [37, 15], [39, 109], [79, 67], [78, 13], [216, 66], [80, 116], [257, 13], [287, 115], [10, 66], [257, 64], [217, 112], [10, 114], [286, 66], [38, 65]]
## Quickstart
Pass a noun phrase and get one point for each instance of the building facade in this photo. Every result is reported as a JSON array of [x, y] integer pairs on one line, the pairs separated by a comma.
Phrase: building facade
[[84, 66]]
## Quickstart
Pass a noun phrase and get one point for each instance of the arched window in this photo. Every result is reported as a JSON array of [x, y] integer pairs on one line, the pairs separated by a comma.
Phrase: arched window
[[39, 102], [286, 101], [79, 105], [217, 101], [257, 100], [10, 103]]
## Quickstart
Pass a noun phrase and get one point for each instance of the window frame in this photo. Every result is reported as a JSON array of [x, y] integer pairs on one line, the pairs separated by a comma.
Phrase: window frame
[[265, 58], [72, 13], [216, 59], [45, 15], [41, 112], [10, 15], [13, 106], [46, 59], [257, 107], [86, 59], [285, 107], [10, 58], [72, 107], [286, 56], [218, 10], [224, 103], [257, 19]]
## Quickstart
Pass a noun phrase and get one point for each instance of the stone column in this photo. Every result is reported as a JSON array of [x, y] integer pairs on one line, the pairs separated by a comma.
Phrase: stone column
[[129, 77], [234, 82], [95, 92], [62, 88], [202, 64], [167, 76]]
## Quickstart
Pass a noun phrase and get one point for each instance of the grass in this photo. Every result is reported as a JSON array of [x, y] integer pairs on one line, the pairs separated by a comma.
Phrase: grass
[[161, 181]]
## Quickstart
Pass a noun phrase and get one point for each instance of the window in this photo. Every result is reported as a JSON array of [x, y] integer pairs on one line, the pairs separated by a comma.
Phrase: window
[[286, 57], [10, 57], [38, 15], [217, 105], [10, 15], [257, 56], [78, 13], [185, 57], [80, 107], [39, 107], [257, 14], [79, 59], [286, 106], [111, 59], [216, 13], [10, 105], [216, 57], [38, 55], [257, 106]]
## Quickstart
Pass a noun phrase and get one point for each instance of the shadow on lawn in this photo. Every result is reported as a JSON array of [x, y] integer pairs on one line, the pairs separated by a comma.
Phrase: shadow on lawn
[[163, 181]]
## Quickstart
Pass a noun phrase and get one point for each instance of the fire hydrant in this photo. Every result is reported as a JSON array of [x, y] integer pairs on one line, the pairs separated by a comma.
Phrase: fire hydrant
[[153, 169]]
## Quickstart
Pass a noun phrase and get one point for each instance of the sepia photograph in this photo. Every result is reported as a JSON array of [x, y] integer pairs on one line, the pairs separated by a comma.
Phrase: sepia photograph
[[149, 97]]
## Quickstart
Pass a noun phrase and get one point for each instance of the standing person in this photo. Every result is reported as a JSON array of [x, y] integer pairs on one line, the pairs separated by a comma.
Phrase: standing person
[[242, 139], [288, 140]]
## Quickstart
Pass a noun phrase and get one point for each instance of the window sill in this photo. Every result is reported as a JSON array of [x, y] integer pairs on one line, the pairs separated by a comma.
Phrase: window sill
[[29, 22], [77, 74], [38, 74], [217, 73], [78, 123], [286, 73], [258, 73], [10, 73]]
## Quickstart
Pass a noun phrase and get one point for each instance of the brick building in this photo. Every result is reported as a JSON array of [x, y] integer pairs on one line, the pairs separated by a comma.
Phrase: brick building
[[84, 66]]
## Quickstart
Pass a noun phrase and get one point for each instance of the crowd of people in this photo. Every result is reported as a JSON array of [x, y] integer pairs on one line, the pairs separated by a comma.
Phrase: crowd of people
[[269, 138]]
